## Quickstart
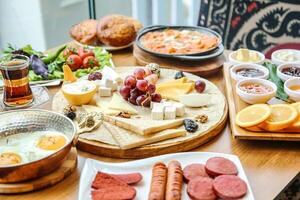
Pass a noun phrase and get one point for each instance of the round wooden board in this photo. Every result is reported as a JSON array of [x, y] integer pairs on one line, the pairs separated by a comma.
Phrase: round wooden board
[[202, 68], [186, 144], [65, 170]]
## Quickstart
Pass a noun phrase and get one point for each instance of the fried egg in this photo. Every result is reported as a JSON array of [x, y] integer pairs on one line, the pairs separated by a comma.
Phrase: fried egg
[[51, 141], [12, 156]]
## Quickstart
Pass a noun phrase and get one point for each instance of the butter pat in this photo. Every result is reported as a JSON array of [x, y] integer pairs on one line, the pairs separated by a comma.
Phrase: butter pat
[[104, 91], [170, 112], [157, 113]]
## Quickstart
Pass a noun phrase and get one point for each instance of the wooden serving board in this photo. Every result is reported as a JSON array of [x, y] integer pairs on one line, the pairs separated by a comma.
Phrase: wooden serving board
[[67, 167], [184, 143], [236, 104], [202, 68]]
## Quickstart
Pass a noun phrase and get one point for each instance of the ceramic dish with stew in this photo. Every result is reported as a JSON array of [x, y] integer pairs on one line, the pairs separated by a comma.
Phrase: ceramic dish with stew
[[172, 41], [292, 88], [33, 143], [254, 90], [288, 70], [283, 56], [246, 56], [246, 71]]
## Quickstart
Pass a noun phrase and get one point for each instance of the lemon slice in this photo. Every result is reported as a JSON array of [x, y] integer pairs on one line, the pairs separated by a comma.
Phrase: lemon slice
[[282, 116], [296, 124], [253, 115]]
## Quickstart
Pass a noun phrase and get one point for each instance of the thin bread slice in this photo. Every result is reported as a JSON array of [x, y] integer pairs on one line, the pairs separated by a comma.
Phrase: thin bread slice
[[127, 139], [143, 126], [101, 134]]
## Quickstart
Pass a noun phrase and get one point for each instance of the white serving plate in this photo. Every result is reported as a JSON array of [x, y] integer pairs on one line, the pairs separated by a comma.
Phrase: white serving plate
[[144, 166]]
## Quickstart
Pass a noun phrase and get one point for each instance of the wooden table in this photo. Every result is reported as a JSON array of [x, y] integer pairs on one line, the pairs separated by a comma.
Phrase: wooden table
[[269, 165]]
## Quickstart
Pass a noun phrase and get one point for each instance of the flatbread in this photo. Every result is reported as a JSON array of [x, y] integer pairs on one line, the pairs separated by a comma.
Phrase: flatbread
[[127, 139]]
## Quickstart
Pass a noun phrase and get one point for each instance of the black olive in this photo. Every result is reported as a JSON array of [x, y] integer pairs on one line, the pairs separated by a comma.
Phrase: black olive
[[190, 125], [179, 75], [71, 115]]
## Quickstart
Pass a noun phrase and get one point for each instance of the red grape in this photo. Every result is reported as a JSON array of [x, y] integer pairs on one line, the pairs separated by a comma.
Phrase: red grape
[[140, 99], [125, 92], [147, 71], [151, 88], [146, 102], [200, 86], [139, 73], [130, 81], [95, 76], [142, 85], [152, 78], [132, 99], [156, 97], [136, 92]]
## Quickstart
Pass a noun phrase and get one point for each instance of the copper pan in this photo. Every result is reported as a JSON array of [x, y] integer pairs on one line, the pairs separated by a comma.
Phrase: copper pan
[[20, 121]]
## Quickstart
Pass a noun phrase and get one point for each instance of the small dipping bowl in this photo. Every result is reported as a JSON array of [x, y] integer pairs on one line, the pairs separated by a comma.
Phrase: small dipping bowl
[[232, 58], [289, 52], [284, 76], [253, 98], [293, 94], [234, 71]]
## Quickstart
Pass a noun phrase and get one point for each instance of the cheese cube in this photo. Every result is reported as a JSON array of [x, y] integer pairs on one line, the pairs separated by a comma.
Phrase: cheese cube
[[157, 113], [104, 91], [170, 112], [156, 104], [108, 83], [114, 86], [180, 109]]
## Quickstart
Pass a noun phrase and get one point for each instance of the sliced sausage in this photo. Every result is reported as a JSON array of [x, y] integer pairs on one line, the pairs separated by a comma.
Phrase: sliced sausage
[[103, 180], [158, 182], [174, 182], [194, 170], [229, 187], [114, 193], [217, 166], [201, 188], [132, 178]]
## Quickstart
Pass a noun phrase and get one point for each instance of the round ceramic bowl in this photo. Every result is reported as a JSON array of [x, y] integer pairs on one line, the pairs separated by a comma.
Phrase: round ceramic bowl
[[23, 121], [79, 98], [256, 98], [285, 77], [237, 77], [232, 59], [278, 61], [294, 95]]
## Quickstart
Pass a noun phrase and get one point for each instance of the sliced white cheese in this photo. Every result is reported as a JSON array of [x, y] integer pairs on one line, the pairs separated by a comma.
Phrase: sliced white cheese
[[104, 91], [118, 103], [170, 112], [157, 113], [180, 109], [195, 99]]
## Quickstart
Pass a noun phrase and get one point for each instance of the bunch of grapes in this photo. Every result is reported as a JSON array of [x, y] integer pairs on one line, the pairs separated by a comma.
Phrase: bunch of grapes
[[139, 88]]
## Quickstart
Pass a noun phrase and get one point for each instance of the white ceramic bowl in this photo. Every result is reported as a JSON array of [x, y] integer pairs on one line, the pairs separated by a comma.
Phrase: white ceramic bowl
[[283, 76], [232, 59], [278, 61], [294, 95], [238, 77], [256, 98]]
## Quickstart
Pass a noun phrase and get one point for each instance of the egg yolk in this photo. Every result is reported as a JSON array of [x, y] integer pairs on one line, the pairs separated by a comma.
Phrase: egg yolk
[[51, 142], [10, 158]]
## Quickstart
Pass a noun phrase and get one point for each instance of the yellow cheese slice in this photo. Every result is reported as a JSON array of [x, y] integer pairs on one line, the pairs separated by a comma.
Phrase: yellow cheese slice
[[118, 103], [180, 80], [102, 108], [173, 91]]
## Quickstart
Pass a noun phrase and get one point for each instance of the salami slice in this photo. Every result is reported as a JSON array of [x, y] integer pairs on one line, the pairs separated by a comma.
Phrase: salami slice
[[194, 170], [132, 178], [114, 193], [103, 180], [229, 187], [201, 188], [217, 166]]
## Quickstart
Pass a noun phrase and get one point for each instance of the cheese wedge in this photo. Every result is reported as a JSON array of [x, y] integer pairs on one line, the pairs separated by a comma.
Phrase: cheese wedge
[[143, 126], [100, 108], [180, 80], [174, 91], [127, 139], [118, 103]]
